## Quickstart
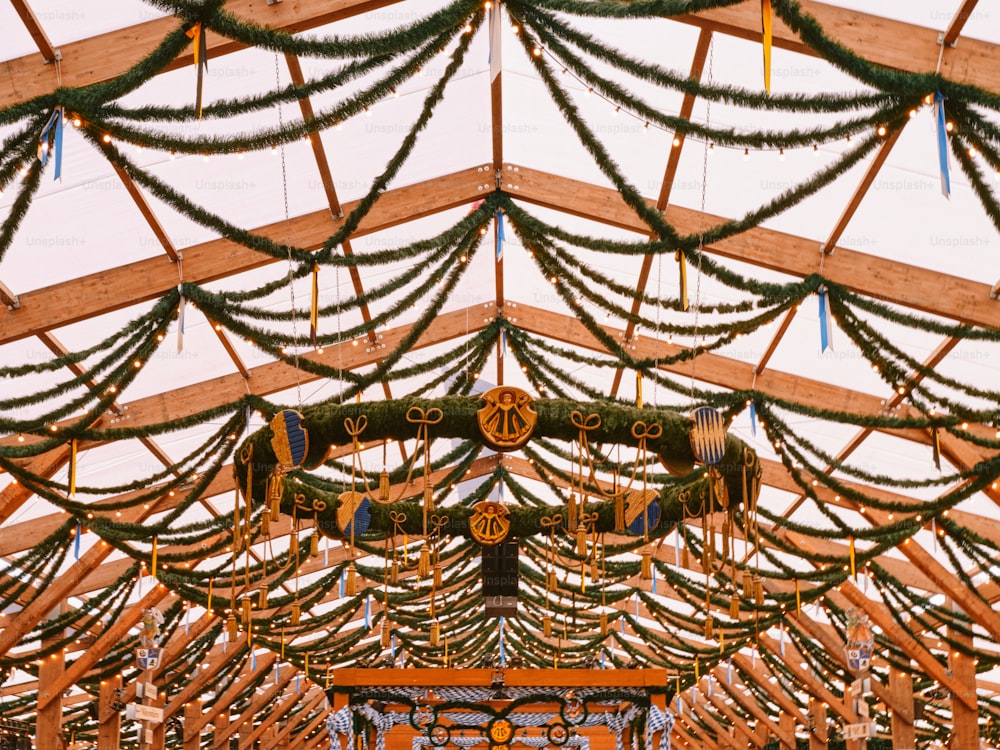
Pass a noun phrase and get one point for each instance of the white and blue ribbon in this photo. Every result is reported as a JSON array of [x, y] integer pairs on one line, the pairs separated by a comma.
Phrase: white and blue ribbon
[[942, 143], [503, 343], [753, 418], [368, 612], [825, 326], [503, 648], [392, 646], [729, 671], [602, 660], [496, 49], [253, 660], [342, 574], [781, 642], [501, 235], [709, 691], [654, 578], [55, 122], [181, 307], [296, 684], [76, 542]]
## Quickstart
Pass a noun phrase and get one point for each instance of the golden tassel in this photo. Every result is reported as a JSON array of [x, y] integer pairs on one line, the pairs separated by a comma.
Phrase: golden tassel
[[547, 626], [646, 567], [759, 590], [734, 607], [384, 494], [551, 581], [265, 524], [747, 584], [386, 633], [246, 608], [571, 515], [424, 563], [276, 508], [428, 498], [604, 623], [351, 586], [435, 635], [437, 575], [581, 541], [685, 557], [709, 626], [394, 573], [262, 601], [231, 627], [314, 544], [595, 572], [293, 547], [619, 513], [683, 281], [296, 616]]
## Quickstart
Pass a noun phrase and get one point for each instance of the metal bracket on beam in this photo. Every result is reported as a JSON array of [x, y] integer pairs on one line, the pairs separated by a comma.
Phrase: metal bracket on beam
[[823, 249], [498, 176], [56, 58], [940, 41]]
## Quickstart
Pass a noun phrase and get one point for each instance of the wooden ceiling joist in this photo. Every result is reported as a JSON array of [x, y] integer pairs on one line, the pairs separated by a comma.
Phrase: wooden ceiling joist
[[126, 285], [884, 41]]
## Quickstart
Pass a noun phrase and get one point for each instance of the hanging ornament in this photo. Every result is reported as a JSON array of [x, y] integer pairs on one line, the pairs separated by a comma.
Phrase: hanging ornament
[[232, 628], [262, 600], [766, 23], [646, 568], [296, 614], [507, 420], [435, 633], [351, 588], [290, 440], [547, 625], [490, 522]]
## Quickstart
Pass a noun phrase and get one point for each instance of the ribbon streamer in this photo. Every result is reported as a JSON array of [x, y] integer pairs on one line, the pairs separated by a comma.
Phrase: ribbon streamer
[[53, 124], [936, 448], [152, 562], [76, 541], [211, 586], [197, 35], [765, 28], [683, 283], [503, 343], [942, 140], [854, 572], [496, 49], [638, 389], [501, 235], [368, 612], [73, 446], [825, 325], [181, 308], [503, 648], [753, 419], [314, 306]]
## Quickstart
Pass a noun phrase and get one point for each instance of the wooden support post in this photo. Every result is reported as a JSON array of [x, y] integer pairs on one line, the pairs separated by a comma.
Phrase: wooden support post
[[787, 723], [220, 733], [964, 719], [192, 712], [817, 725], [50, 671], [109, 716], [903, 734]]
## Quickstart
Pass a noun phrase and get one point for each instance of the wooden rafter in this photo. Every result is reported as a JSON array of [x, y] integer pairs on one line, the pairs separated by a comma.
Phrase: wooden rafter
[[120, 287], [31, 23], [958, 21]]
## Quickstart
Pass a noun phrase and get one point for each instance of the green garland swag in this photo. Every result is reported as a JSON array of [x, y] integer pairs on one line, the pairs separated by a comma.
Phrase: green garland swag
[[387, 420]]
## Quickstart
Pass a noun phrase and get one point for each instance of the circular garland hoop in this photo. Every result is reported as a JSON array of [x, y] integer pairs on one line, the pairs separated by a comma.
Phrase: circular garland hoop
[[330, 425]]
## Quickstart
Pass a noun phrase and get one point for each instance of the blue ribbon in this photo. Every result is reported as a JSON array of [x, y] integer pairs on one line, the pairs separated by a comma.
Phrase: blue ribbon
[[602, 660], [55, 121], [368, 612], [392, 645], [503, 342], [824, 321], [76, 543], [500, 235], [342, 584], [942, 139], [503, 649], [654, 579], [753, 419], [253, 660]]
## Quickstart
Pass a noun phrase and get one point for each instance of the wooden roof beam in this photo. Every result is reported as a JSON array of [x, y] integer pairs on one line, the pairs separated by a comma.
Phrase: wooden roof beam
[[49, 53], [908, 285], [130, 284], [893, 44], [964, 12]]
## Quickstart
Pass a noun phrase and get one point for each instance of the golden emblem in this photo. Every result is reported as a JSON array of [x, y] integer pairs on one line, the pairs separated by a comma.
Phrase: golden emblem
[[501, 731], [489, 523], [507, 420]]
